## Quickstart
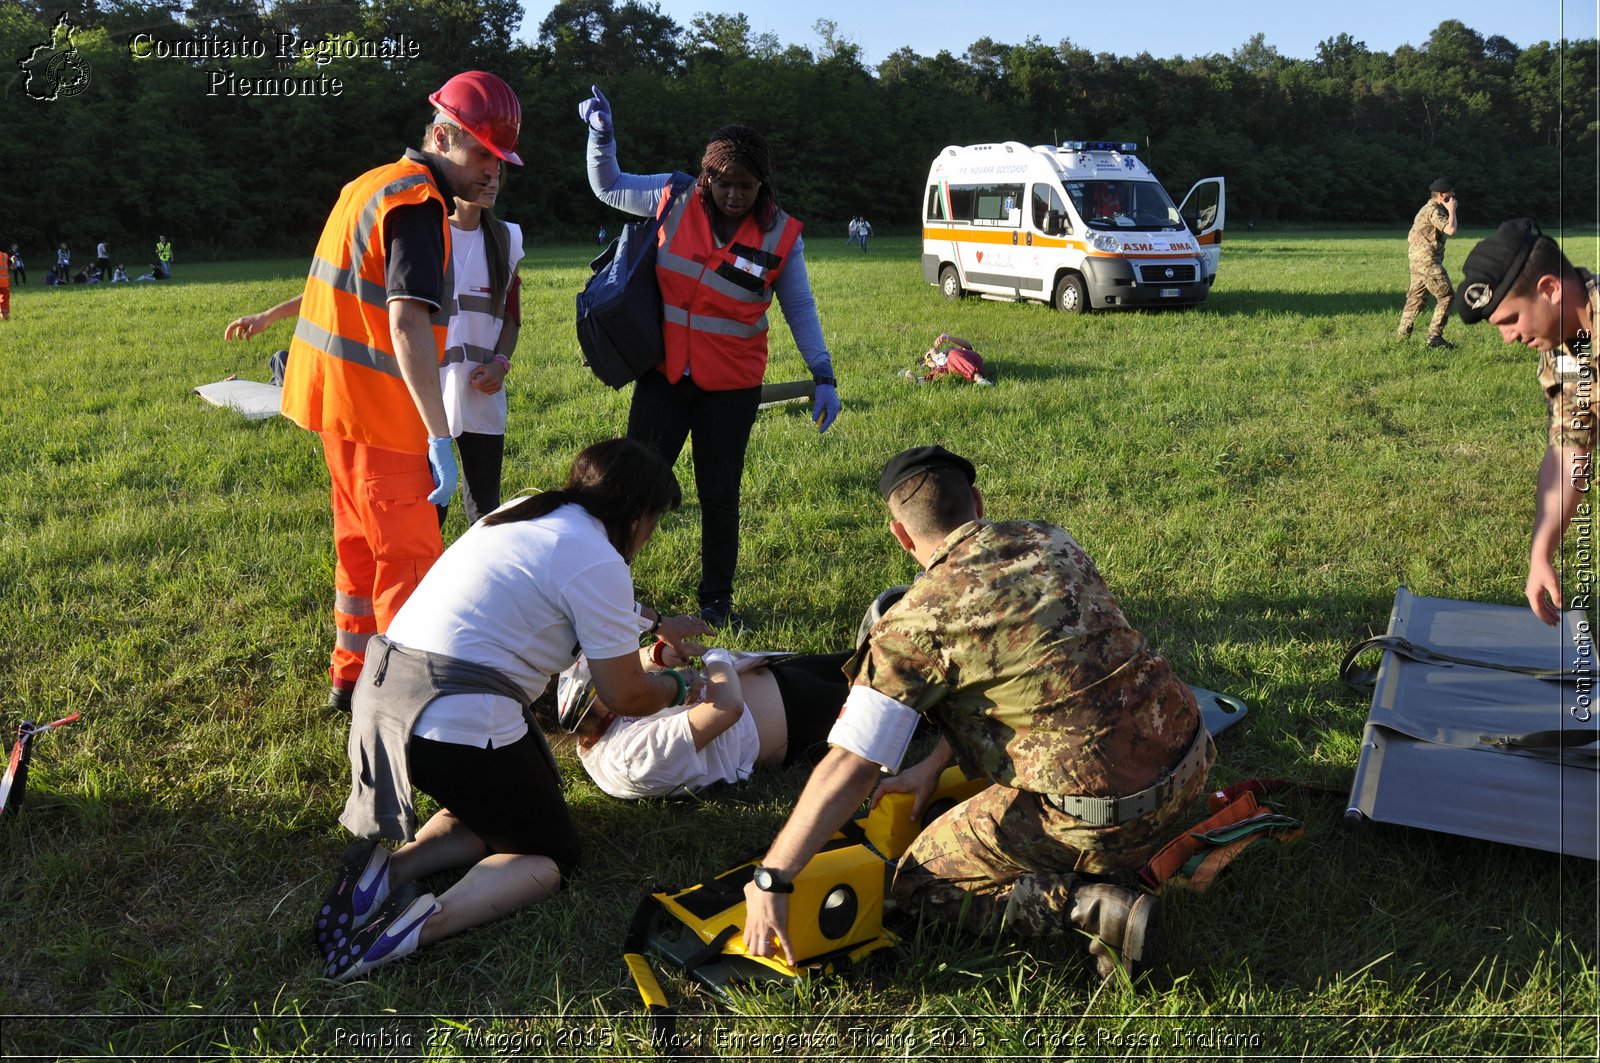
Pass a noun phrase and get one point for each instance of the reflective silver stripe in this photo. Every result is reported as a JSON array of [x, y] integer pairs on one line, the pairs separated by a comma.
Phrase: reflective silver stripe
[[351, 604], [369, 214], [348, 280], [348, 350], [355, 642], [721, 326], [468, 352], [368, 292], [678, 264]]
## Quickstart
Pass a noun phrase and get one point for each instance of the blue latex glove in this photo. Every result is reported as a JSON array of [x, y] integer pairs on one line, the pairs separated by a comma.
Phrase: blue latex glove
[[442, 463], [825, 406], [596, 110]]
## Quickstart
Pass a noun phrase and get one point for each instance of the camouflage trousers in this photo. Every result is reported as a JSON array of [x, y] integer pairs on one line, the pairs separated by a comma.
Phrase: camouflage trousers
[[1005, 857], [1427, 278]]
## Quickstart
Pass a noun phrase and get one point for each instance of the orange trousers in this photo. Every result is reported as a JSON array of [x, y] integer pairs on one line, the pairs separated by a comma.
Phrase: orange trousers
[[385, 538]]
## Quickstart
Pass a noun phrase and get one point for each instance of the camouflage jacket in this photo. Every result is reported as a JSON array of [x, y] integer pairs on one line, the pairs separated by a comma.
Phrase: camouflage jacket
[[1567, 376], [1014, 646], [1425, 242]]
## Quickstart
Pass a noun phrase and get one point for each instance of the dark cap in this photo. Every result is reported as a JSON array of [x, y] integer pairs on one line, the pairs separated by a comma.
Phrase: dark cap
[[1443, 184], [908, 463], [1493, 266]]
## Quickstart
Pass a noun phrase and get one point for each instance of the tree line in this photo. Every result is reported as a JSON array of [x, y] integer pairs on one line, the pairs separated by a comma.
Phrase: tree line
[[1352, 135]]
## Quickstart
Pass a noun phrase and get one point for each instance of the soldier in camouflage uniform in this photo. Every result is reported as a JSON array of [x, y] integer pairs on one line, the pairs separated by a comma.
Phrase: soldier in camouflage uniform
[[1520, 282], [1012, 644], [1425, 252]]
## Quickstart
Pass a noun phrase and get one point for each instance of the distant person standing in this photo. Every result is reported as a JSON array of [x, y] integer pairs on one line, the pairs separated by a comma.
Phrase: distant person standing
[[102, 258], [1425, 252], [600, 237], [17, 268], [863, 230], [5, 287], [164, 254], [853, 231], [63, 261]]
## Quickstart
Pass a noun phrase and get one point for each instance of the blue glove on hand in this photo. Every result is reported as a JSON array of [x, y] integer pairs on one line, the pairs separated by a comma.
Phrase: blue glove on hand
[[826, 406], [596, 110], [442, 463]]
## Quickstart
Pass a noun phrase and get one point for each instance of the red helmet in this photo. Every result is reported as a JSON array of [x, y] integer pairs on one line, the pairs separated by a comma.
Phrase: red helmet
[[486, 107]]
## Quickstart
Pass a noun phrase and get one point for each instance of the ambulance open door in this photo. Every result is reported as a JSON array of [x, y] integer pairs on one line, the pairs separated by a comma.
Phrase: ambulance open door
[[1204, 209]]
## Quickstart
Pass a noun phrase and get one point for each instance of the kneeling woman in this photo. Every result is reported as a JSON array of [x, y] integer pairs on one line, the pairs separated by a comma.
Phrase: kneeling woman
[[440, 706], [752, 709]]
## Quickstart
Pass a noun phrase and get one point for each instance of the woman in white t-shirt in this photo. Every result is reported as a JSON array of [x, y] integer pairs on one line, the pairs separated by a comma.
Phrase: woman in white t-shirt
[[440, 706], [753, 709]]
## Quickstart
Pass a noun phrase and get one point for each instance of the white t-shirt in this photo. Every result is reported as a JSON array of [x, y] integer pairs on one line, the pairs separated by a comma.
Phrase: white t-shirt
[[472, 334], [654, 756], [523, 598]]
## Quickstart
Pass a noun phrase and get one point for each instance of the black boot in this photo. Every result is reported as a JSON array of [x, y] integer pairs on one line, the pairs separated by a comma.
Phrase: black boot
[[1122, 924]]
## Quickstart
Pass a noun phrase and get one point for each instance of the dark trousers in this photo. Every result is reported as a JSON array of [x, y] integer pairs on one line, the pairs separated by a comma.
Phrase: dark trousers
[[662, 416], [813, 689], [481, 459]]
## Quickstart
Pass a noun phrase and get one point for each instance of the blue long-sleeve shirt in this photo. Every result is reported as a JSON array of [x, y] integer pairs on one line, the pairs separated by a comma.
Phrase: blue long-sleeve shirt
[[641, 194]]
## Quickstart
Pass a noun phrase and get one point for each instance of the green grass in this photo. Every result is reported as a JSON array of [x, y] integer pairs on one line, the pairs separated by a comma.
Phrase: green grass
[[1255, 478]]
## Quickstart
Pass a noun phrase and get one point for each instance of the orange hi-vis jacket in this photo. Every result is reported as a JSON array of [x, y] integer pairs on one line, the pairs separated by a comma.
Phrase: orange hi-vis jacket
[[343, 376], [714, 299]]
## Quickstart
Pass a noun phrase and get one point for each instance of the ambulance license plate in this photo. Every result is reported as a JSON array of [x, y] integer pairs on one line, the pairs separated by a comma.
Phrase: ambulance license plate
[[1171, 293]]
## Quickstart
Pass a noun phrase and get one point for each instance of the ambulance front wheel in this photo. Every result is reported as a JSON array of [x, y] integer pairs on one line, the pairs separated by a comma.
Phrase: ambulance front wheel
[[950, 283], [1069, 297]]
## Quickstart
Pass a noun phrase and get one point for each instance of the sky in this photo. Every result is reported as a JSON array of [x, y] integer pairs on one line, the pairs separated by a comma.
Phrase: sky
[[1164, 28]]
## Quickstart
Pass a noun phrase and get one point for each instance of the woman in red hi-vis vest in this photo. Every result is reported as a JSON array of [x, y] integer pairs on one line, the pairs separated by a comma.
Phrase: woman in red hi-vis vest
[[725, 250]]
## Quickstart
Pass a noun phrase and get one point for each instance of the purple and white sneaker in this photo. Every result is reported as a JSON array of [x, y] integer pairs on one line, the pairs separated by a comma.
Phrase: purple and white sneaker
[[391, 932], [361, 886]]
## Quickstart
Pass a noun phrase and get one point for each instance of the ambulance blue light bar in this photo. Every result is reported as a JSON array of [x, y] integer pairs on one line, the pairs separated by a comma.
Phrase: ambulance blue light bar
[[1100, 145]]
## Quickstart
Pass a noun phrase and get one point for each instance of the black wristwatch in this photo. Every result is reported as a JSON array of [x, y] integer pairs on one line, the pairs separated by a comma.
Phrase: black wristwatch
[[654, 626], [819, 380], [767, 881]]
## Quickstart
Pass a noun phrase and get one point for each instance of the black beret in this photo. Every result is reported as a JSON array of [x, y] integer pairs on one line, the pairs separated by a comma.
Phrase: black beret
[[909, 463], [1493, 266], [1443, 184]]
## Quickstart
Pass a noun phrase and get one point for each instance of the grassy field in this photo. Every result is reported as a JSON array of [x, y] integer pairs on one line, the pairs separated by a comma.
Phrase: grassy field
[[1255, 479]]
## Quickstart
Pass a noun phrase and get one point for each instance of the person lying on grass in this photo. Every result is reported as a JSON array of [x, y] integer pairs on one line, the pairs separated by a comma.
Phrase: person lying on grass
[[744, 711]]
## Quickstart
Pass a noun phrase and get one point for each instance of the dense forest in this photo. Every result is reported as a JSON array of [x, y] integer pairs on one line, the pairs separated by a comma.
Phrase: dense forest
[[154, 138]]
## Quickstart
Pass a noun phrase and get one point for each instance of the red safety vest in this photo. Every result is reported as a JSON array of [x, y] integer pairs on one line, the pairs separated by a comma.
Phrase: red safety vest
[[714, 299], [343, 376]]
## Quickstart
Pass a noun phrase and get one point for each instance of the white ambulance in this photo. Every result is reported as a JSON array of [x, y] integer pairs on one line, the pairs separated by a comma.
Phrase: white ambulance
[[1083, 226]]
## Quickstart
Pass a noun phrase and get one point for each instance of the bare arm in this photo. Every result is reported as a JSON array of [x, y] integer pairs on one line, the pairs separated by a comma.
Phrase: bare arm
[[835, 790], [723, 704], [628, 690], [242, 328], [418, 356], [1563, 481]]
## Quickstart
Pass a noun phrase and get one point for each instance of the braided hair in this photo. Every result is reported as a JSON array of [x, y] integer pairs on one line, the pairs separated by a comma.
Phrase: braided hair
[[742, 145]]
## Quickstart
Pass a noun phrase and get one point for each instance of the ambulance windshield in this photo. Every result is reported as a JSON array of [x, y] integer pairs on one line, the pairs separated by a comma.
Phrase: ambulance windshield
[[1117, 205]]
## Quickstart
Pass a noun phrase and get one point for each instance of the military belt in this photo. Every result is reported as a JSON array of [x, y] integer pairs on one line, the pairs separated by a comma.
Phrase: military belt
[[1109, 811]]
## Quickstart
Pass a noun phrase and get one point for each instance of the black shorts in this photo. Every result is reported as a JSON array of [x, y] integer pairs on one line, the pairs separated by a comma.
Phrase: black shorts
[[510, 797], [813, 689]]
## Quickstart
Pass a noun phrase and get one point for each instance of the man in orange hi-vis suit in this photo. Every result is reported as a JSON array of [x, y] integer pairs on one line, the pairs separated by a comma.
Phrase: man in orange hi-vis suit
[[364, 363]]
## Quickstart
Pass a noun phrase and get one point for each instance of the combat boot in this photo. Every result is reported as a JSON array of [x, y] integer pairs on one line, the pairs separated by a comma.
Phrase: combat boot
[[1122, 925]]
